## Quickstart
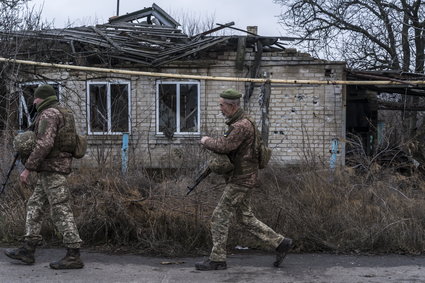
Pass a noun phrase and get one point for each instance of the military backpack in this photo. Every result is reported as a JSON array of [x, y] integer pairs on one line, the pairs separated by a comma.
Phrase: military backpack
[[68, 140], [263, 152]]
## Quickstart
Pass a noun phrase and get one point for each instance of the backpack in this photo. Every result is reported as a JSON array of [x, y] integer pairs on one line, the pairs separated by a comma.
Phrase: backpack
[[264, 152], [80, 146], [68, 139]]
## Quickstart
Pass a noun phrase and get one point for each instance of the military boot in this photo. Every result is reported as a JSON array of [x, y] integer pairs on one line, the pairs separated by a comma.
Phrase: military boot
[[70, 261], [24, 253], [281, 251], [211, 265]]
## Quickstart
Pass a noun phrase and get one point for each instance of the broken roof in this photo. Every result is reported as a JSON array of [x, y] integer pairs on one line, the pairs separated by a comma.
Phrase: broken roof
[[149, 36], [389, 75], [152, 14]]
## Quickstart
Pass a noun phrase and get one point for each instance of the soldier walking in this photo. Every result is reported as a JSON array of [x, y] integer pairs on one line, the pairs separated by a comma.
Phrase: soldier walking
[[239, 144], [50, 159]]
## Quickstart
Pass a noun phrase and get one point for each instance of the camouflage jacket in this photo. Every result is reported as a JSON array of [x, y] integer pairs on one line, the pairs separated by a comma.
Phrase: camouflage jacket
[[46, 126], [238, 144]]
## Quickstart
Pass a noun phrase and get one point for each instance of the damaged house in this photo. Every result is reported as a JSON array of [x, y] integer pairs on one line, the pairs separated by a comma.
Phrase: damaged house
[[387, 115], [168, 98]]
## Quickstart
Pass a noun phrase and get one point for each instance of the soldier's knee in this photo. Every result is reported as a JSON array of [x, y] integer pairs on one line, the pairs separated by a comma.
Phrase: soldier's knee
[[59, 199], [247, 219]]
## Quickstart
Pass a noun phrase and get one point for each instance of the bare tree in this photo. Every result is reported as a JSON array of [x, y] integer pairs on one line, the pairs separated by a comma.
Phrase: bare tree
[[367, 34], [193, 24], [16, 15]]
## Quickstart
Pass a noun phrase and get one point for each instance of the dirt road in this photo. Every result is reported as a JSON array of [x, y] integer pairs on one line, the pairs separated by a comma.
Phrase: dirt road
[[244, 267]]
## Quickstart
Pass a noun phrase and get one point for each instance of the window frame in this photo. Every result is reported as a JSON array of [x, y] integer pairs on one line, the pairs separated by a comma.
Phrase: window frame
[[108, 97], [198, 97], [23, 102]]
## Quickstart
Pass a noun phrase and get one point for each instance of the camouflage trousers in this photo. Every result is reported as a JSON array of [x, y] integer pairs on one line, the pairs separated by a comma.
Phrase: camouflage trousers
[[236, 200], [51, 193]]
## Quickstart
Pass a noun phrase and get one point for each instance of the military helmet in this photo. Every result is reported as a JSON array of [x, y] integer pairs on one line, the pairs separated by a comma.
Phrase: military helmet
[[24, 143], [219, 163]]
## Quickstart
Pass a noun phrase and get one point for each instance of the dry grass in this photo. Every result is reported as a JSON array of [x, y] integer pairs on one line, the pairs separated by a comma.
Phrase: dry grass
[[128, 213], [139, 213], [342, 210]]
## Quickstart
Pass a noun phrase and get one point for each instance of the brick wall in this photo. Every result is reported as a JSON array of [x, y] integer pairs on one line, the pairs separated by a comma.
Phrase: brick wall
[[303, 118]]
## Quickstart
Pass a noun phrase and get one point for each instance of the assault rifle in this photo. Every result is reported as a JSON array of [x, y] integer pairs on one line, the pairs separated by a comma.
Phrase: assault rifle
[[204, 173], [3, 186]]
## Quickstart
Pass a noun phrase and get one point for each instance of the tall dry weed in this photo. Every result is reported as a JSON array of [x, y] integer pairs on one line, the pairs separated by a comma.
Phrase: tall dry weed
[[345, 210], [348, 209]]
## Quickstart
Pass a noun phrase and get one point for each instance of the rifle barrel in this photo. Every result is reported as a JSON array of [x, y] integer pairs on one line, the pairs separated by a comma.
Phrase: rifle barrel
[[3, 186], [198, 180]]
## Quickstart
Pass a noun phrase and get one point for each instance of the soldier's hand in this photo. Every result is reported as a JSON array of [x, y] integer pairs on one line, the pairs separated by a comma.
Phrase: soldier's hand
[[24, 177], [204, 139]]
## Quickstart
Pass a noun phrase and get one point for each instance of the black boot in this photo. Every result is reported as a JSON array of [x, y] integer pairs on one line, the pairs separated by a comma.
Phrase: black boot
[[24, 253], [70, 261], [211, 265], [281, 251]]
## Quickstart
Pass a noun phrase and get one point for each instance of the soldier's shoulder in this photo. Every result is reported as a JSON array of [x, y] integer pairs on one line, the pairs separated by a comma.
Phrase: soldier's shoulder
[[52, 110], [243, 123], [50, 113]]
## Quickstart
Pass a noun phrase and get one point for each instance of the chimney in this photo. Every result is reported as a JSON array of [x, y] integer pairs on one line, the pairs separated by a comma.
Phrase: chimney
[[253, 30]]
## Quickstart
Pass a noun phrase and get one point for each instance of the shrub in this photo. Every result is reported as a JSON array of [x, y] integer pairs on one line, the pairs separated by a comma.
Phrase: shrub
[[341, 210]]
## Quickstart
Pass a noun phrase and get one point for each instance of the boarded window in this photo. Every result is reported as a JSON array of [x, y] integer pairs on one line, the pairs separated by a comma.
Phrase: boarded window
[[178, 108], [108, 107]]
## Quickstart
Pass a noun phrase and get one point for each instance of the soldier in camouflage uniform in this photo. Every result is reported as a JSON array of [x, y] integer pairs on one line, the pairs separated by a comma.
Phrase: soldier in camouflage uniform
[[52, 165], [238, 143]]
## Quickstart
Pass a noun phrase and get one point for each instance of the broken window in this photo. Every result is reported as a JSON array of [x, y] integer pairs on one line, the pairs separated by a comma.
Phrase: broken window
[[108, 107], [178, 108], [27, 109]]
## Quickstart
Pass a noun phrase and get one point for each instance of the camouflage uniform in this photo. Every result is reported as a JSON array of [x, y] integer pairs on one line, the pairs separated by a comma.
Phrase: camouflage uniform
[[52, 167], [238, 143]]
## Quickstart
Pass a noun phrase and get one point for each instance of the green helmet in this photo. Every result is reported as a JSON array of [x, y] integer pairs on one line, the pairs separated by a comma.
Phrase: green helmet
[[24, 143], [219, 163]]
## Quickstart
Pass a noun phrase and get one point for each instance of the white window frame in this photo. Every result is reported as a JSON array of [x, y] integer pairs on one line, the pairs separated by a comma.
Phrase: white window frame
[[178, 83], [23, 105], [108, 94]]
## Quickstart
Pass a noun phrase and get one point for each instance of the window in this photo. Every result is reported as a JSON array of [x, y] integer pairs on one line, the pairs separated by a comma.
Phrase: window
[[177, 109], [108, 107], [27, 109]]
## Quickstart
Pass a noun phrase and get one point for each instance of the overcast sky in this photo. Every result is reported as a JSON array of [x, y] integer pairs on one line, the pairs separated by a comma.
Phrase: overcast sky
[[261, 13]]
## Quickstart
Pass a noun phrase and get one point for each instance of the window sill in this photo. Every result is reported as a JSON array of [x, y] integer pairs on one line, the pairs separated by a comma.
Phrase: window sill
[[93, 139], [183, 136], [176, 139]]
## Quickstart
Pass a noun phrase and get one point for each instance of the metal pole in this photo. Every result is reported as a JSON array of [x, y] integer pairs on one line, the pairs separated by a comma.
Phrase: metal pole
[[265, 122], [212, 78], [124, 153], [118, 8], [334, 151]]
